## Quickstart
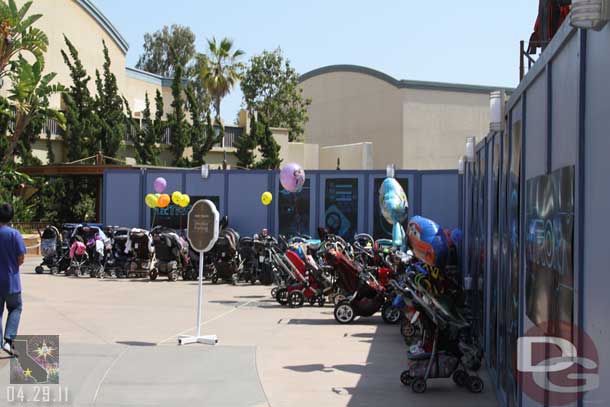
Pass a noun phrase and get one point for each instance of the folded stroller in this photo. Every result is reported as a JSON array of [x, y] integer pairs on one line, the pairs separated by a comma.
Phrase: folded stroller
[[171, 253], [55, 255], [141, 249]]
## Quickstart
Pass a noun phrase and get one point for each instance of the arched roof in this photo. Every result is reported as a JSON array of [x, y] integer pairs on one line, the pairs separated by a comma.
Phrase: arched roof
[[456, 87], [103, 21]]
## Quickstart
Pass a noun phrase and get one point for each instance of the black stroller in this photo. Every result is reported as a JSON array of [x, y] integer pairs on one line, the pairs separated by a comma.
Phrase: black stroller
[[117, 262], [55, 254], [249, 270], [171, 254], [224, 257], [141, 249]]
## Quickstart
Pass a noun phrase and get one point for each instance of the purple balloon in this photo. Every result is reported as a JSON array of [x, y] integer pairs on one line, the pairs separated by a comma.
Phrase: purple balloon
[[160, 184], [292, 177]]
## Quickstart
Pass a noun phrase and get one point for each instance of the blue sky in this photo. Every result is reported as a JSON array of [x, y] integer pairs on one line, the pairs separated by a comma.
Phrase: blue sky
[[475, 41]]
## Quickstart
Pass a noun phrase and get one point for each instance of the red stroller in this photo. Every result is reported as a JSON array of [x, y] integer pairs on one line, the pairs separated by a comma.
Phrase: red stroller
[[367, 294], [309, 282]]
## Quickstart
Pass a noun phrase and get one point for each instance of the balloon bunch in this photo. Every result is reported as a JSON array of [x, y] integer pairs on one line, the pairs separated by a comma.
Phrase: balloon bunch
[[162, 200]]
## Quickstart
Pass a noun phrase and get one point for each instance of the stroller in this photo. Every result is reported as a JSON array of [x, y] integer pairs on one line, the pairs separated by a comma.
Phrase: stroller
[[117, 261], [93, 261], [54, 251], [141, 248], [171, 253], [224, 257], [365, 295], [447, 347], [249, 270]]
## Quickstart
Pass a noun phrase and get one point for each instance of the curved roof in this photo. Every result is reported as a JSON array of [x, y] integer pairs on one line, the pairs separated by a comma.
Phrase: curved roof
[[456, 87], [101, 19]]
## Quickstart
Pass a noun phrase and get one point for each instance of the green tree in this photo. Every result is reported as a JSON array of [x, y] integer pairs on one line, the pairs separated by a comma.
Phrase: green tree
[[149, 135], [198, 133], [269, 148], [167, 49], [82, 122], [270, 85], [177, 121], [17, 34], [135, 134], [159, 125], [29, 95], [221, 72], [109, 108], [245, 145]]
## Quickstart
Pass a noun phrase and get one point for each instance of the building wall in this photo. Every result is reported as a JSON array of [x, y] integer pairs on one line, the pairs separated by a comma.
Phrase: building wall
[[351, 107], [357, 156], [414, 125], [67, 17], [436, 125]]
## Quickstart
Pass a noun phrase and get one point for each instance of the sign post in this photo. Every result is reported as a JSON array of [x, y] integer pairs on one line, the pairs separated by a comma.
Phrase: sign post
[[202, 233]]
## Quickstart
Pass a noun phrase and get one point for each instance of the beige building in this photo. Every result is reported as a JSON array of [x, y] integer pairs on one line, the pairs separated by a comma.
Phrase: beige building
[[356, 111], [359, 118]]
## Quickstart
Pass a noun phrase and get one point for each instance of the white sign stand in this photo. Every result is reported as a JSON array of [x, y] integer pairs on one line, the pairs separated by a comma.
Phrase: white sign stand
[[198, 338]]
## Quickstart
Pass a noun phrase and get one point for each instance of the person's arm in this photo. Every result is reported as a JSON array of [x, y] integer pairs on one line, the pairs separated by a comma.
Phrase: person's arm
[[20, 248]]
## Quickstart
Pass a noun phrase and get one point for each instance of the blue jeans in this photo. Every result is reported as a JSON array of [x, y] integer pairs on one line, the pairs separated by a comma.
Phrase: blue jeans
[[13, 305]]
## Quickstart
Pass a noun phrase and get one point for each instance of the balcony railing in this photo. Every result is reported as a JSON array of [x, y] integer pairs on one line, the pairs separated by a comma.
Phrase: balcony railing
[[52, 127], [232, 133]]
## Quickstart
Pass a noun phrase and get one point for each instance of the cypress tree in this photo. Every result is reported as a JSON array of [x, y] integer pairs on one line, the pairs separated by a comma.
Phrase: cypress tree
[[110, 109], [177, 121], [81, 119], [198, 129], [149, 135], [159, 126], [269, 148], [245, 147]]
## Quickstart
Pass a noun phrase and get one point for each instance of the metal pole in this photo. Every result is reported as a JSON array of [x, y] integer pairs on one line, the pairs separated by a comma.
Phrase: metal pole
[[200, 297]]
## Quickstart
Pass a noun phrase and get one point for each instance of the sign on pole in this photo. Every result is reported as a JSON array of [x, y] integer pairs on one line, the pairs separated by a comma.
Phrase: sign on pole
[[202, 232]]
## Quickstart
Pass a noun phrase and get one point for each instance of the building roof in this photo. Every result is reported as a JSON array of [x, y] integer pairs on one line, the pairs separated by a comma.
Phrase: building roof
[[149, 77], [407, 84], [103, 21]]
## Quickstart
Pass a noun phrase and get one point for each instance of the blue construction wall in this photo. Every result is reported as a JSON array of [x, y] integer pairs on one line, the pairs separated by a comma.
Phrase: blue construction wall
[[559, 117], [434, 194]]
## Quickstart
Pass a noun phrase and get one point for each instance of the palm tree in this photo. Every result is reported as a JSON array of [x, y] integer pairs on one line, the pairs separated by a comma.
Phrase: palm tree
[[18, 35], [30, 97], [222, 71]]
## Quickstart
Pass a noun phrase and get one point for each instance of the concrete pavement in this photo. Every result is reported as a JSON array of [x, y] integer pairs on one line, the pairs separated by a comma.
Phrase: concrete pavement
[[118, 348]]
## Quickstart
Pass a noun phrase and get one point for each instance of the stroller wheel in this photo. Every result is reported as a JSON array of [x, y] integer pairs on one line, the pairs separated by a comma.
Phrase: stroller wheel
[[54, 270], [296, 299], [390, 314], [282, 296], [460, 378], [344, 312], [154, 273], [405, 378], [475, 384], [407, 329], [312, 300], [39, 270], [172, 275], [274, 291], [418, 386], [321, 300], [214, 279]]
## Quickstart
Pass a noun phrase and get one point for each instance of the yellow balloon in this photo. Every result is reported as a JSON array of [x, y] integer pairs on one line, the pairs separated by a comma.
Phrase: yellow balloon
[[176, 197], [185, 200], [151, 201], [266, 198]]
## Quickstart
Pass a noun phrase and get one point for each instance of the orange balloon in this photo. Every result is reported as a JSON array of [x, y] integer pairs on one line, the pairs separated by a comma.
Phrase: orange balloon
[[163, 201]]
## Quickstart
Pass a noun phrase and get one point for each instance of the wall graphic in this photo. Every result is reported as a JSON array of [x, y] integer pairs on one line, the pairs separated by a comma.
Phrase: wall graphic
[[174, 216], [549, 247], [381, 228], [294, 209], [341, 206]]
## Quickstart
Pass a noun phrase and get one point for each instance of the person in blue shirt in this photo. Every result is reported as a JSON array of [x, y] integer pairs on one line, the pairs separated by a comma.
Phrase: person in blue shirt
[[12, 255]]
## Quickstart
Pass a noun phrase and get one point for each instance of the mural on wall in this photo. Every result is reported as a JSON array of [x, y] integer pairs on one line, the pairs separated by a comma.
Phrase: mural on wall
[[341, 206], [294, 208], [549, 247], [174, 217], [381, 228]]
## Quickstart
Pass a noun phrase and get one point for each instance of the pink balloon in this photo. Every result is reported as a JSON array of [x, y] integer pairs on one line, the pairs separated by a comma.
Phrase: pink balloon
[[160, 184], [292, 177]]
